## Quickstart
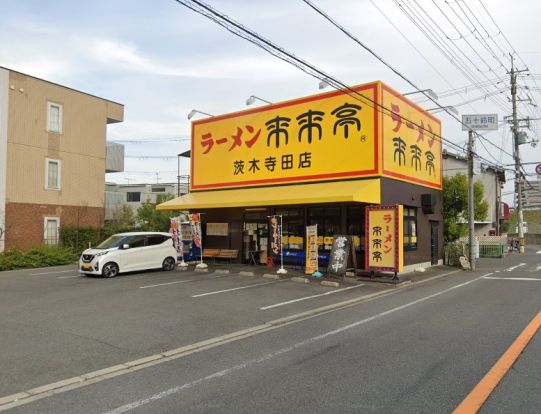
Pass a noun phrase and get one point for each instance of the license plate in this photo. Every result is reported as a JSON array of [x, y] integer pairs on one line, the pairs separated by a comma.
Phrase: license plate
[[86, 267]]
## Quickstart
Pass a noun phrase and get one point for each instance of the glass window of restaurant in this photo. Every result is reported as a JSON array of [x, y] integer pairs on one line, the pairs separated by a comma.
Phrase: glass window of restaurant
[[410, 228], [355, 223], [292, 228], [328, 224]]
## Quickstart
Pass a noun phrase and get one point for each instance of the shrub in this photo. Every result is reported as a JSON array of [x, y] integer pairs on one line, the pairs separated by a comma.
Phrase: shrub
[[36, 257], [78, 238]]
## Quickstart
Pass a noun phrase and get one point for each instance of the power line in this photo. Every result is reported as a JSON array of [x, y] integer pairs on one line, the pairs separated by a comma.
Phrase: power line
[[356, 40], [279, 52], [138, 140]]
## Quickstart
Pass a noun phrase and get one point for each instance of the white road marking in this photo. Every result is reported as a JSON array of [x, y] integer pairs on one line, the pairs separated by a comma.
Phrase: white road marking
[[510, 269], [538, 267], [538, 252], [183, 281], [308, 297], [175, 390], [238, 288], [168, 283], [52, 273], [513, 278], [68, 277]]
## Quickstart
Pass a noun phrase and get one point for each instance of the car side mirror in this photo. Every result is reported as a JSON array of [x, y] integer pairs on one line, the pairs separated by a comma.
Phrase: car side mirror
[[125, 246]]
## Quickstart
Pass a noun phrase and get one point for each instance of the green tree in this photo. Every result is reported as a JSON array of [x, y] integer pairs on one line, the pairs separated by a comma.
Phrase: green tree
[[455, 205], [150, 219], [123, 219]]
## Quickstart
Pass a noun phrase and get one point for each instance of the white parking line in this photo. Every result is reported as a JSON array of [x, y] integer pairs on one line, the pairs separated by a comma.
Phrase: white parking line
[[538, 268], [168, 283], [52, 273], [510, 269], [513, 278], [267, 357], [308, 297], [68, 277], [238, 288]]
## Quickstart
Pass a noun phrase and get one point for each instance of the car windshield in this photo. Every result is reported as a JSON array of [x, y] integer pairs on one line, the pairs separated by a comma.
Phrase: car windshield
[[113, 241]]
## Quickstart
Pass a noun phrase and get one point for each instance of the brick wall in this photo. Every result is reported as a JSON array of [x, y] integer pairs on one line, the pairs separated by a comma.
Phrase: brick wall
[[24, 222]]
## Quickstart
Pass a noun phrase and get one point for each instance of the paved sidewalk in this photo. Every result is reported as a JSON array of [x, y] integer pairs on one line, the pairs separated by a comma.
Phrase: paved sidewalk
[[362, 277]]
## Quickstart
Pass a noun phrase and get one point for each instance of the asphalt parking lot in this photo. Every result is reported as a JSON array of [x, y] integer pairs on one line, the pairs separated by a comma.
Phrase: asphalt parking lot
[[58, 324]]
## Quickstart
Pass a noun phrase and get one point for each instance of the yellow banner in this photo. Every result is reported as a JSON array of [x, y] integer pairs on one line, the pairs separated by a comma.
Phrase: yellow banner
[[384, 238], [311, 249], [411, 142], [323, 137]]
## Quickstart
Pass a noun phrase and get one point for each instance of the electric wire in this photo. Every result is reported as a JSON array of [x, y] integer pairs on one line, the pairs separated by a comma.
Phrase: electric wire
[[277, 51], [356, 40]]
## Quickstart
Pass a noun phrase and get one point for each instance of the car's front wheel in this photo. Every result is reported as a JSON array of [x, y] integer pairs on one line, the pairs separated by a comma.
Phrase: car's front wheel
[[109, 270], [168, 264]]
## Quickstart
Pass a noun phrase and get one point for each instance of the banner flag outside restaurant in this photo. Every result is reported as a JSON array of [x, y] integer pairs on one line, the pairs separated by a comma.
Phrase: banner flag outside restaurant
[[176, 234], [195, 224], [275, 237], [311, 249]]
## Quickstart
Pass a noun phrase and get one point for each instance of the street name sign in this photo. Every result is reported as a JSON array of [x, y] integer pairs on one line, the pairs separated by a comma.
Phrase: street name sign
[[481, 122]]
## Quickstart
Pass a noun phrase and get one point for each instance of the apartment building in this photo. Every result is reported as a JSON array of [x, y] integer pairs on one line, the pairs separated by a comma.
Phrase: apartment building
[[52, 158], [531, 194], [492, 178], [134, 195]]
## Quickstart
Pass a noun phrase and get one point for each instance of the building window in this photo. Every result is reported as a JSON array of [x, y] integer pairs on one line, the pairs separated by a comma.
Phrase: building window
[[133, 196], [355, 223], [328, 224], [410, 228], [54, 117], [292, 228], [52, 174], [50, 230], [158, 189]]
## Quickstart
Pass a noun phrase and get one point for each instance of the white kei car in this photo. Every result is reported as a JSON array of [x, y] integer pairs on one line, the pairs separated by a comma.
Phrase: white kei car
[[127, 252]]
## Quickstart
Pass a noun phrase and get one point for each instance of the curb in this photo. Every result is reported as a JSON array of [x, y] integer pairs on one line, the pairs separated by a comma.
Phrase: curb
[[270, 276], [299, 279], [329, 283]]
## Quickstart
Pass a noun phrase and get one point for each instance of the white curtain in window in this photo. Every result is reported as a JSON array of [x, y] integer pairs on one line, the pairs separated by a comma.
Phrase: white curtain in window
[[54, 118], [52, 174]]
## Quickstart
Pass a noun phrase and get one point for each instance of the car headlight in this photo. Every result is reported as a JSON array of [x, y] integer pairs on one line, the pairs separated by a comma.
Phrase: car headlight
[[101, 253]]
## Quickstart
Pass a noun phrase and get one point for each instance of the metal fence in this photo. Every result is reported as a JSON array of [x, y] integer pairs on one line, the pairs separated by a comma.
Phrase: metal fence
[[491, 246], [485, 246]]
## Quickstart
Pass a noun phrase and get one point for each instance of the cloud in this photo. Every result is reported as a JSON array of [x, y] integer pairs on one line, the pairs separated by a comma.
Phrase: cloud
[[126, 56]]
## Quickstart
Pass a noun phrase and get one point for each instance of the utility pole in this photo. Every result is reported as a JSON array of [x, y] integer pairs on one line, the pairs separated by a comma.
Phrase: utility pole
[[516, 156], [471, 201]]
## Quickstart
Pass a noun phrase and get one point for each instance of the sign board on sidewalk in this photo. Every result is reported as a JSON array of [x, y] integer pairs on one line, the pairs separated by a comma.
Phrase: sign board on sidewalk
[[338, 262], [481, 122], [384, 238], [538, 169]]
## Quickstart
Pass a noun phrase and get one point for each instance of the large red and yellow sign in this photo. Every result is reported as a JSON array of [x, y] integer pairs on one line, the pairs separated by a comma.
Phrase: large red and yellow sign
[[411, 141], [384, 238], [323, 137], [368, 130]]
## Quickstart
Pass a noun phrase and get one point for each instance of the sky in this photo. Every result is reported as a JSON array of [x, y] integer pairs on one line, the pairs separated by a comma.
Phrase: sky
[[161, 60]]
